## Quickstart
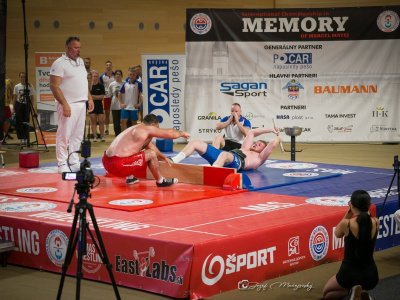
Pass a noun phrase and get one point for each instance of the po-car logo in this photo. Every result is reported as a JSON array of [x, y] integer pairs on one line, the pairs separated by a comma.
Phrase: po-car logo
[[200, 23], [319, 243]]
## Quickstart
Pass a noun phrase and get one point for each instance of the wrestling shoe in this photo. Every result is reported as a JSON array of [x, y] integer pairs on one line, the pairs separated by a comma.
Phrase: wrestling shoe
[[355, 293], [167, 182], [131, 180]]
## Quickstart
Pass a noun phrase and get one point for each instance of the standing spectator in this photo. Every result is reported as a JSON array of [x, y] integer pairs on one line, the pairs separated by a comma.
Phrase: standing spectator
[[139, 78], [97, 114], [68, 82], [236, 127], [8, 111], [358, 270], [130, 98], [115, 87], [22, 108], [88, 62], [106, 78]]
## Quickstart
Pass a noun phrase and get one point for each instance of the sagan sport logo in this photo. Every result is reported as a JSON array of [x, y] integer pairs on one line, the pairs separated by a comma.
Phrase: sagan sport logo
[[200, 23], [319, 243]]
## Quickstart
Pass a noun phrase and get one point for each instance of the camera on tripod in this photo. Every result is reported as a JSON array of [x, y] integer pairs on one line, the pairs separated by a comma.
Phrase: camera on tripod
[[85, 174]]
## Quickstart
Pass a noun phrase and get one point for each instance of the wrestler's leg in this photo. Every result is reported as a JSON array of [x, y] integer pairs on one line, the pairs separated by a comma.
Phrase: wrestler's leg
[[196, 145], [223, 159], [219, 142], [152, 162]]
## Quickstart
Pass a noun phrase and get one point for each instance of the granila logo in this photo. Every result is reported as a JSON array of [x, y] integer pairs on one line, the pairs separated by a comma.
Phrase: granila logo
[[200, 23], [211, 116]]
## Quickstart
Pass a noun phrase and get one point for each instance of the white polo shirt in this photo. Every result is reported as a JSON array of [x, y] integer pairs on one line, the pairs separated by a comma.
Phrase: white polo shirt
[[74, 78]]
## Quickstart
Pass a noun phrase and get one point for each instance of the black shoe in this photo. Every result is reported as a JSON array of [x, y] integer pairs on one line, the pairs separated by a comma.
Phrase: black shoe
[[132, 180], [167, 182]]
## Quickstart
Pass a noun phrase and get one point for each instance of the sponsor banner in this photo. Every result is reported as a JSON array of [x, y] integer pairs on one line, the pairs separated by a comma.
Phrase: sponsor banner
[[41, 232], [164, 88], [311, 24], [254, 260], [44, 96], [334, 80]]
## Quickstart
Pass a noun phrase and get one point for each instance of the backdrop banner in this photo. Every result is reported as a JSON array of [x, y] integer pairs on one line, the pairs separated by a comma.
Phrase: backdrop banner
[[46, 103], [335, 72], [164, 87]]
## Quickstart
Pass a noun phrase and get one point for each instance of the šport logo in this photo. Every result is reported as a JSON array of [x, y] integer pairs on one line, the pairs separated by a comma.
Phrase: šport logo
[[244, 89]]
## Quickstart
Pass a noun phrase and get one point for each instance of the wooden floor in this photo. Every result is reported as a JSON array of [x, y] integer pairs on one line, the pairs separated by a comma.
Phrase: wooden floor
[[22, 283]]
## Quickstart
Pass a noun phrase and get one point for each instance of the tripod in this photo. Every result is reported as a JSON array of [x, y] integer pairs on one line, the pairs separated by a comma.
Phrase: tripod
[[395, 174], [29, 106], [78, 239]]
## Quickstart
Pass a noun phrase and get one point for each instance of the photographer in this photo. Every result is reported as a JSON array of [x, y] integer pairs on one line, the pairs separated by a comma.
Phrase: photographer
[[358, 270]]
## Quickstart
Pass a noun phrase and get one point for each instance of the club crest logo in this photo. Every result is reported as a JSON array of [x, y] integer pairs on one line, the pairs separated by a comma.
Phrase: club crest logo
[[131, 202], [388, 21], [319, 243], [56, 246], [200, 23]]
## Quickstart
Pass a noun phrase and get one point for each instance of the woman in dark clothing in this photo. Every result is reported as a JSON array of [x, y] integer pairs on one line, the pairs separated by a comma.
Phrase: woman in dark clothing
[[358, 271]]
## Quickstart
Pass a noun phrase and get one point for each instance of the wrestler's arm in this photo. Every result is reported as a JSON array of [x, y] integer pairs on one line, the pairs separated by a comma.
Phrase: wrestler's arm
[[166, 133], [160, 156], [263, 155]]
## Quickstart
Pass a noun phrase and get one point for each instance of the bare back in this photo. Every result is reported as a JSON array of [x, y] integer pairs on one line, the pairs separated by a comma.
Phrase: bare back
[[129, 142]]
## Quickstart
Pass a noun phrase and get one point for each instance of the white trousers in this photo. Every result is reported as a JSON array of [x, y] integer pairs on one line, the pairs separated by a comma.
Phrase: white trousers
[[70, 133]]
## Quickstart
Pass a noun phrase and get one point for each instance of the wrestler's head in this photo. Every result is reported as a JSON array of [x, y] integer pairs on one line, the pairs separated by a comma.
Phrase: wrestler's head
[[151, 120], [258, 146]]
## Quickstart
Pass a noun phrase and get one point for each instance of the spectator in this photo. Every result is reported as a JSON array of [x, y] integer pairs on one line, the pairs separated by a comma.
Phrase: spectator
[[106, 78], [97, 114], [22, 108], [358, 271], [115, 87], [130, 98]]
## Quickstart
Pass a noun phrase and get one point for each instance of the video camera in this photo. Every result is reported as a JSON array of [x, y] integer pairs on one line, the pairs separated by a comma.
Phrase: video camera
[[85, 174]]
